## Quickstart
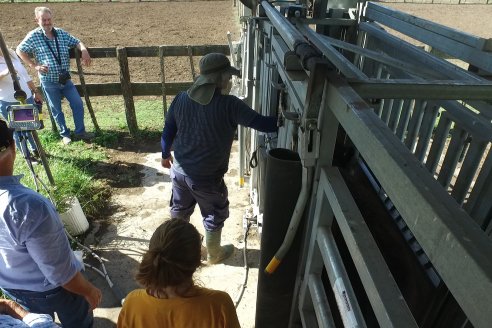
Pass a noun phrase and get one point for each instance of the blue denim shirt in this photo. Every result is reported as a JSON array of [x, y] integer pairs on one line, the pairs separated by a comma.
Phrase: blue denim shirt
[[35, 254]]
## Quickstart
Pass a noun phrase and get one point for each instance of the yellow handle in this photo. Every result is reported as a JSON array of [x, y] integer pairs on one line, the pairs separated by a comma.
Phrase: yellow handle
[[272, 266]]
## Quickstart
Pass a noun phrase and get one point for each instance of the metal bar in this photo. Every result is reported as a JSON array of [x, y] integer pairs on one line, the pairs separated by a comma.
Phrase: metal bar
[[438, 143], [427, 26], [414, 124], [325, 21], [479, 209], [320, 302], [387, 108], [468, 170], [383, 58], [457, 49], [340, 283], [426, 129], [334, 56], [415, 89], [395, 115], [412, 54], [453, 153], [404, 118], [290, 35], [469, 120], [459, 251], [384, 295]]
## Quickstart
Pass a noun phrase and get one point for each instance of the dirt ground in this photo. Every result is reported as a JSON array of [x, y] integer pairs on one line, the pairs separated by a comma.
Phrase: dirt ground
[[140, 199]]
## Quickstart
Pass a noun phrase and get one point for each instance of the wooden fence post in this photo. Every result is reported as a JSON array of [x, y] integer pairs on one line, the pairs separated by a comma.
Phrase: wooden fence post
[[163, 81], [84, 90], [126, 89], [192, 65]]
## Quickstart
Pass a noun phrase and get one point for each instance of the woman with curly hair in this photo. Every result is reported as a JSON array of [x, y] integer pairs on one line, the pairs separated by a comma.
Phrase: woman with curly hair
[[170, 298]]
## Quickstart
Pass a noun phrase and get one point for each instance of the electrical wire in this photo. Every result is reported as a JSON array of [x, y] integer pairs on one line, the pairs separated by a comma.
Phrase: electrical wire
[[246, 267]]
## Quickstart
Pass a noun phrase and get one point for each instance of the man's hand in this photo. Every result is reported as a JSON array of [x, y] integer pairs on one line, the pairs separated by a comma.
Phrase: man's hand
[[93, 297], [166, 162], [41, 68], [86, 58], [38, 98], [13, 309]]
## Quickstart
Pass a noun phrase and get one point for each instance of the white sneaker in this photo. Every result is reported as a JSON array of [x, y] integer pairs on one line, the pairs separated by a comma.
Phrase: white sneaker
[[66, 140]]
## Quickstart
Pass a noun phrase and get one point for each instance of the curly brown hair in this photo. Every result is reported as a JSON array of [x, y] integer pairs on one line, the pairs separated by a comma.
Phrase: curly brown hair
[[173, 256]]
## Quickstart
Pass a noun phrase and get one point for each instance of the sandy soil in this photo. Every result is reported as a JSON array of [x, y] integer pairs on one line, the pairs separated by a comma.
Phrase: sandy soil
[[141, 195]]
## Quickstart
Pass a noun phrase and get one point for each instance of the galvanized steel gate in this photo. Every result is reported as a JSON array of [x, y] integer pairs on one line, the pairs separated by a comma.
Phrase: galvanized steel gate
[[421, 130]]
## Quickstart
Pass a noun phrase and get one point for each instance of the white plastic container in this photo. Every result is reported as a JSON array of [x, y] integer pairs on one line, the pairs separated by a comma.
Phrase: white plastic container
[[74, 219]]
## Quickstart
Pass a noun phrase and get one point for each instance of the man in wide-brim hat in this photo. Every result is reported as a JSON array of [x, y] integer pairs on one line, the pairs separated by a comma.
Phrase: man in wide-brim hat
[[200, 126]]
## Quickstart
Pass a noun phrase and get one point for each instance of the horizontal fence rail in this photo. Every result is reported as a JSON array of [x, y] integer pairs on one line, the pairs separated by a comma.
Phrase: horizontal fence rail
[[129, 89]]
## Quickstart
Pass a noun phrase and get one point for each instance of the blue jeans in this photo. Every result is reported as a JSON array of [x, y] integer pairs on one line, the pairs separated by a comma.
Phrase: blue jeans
[[72, 309], [211, 197], [53, 92], [18, 134]]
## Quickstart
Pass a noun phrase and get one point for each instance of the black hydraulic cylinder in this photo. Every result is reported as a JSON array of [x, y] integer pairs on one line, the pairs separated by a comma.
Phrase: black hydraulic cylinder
[[282, 185]]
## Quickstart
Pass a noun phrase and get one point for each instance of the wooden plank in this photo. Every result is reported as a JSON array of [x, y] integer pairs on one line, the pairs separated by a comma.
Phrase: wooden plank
[[138, 88], [192, 65], [126, 89], [163, 81], [468, 169], [84, 89], [153, 51]]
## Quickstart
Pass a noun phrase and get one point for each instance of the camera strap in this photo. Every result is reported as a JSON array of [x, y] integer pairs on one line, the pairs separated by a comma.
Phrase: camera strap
[[57, 58]]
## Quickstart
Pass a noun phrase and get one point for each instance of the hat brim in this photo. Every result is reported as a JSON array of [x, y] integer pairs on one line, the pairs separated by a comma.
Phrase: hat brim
[[203, 88]]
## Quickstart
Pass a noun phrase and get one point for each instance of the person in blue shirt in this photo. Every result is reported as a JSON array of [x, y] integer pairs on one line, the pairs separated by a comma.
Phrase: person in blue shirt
[[200, 125], [37, 266], [50, 46]]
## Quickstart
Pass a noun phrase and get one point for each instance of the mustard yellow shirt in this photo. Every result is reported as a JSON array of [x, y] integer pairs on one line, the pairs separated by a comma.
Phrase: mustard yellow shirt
[[209, 309]]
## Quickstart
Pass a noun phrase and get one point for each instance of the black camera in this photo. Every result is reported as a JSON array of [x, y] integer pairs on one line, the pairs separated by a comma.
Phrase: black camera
[[63, 77]]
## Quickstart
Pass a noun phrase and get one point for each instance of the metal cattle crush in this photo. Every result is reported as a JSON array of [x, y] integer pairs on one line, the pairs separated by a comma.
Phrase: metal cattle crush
[[395, 205]]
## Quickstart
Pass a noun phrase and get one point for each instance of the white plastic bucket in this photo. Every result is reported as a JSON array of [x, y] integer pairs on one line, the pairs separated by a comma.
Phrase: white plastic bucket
[[74, 219]]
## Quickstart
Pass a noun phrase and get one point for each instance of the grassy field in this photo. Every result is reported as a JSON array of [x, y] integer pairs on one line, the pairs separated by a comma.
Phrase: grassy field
[[75, 166]]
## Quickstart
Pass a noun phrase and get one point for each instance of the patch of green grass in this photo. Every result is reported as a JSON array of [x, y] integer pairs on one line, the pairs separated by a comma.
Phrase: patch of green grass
[[75, 168]]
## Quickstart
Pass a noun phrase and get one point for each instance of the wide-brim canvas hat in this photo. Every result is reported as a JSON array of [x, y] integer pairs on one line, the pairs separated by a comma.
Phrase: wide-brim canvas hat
[[211, 67]]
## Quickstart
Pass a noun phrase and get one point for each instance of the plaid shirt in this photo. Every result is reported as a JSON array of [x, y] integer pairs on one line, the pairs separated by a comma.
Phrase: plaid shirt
[[36, 44]]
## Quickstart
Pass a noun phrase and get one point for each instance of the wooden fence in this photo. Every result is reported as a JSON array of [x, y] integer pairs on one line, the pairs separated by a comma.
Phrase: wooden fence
[[129, 89]]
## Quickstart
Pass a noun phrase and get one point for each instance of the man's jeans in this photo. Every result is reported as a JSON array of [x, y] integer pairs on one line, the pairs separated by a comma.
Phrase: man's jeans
[[53, 92], [3, 111], [72, 309], [211, 197]]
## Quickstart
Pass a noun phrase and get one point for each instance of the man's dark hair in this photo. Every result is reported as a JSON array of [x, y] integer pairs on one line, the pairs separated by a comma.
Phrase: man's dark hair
[[6, 136]]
